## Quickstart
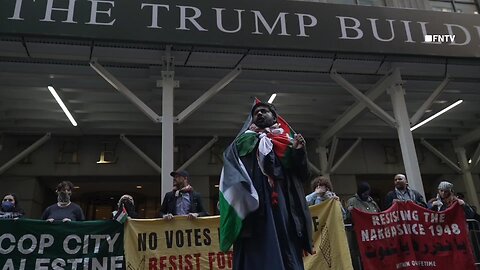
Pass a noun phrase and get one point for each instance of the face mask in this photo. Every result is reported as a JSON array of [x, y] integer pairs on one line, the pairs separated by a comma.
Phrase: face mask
[[8, 206], [63, 197]]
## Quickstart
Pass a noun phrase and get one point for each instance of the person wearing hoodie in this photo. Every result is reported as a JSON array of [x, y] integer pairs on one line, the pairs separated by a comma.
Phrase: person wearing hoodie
[[362, 200], [10, 208]]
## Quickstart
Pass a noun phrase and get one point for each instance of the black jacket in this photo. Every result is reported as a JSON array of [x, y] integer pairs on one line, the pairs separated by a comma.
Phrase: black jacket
[[292, 186], [393, 195], [169, 205]]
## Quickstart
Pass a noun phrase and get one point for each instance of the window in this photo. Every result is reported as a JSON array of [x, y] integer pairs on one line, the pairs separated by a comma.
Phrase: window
[[359, 2], [442, 6], [461, 6], [371, 2], [466, 8], [347, 2]]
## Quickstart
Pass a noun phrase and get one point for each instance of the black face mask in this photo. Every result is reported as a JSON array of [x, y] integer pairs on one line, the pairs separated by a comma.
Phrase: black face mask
[[63, 197]]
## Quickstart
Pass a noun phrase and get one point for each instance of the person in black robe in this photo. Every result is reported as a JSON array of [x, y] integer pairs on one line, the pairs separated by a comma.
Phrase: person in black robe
[[276, 234]]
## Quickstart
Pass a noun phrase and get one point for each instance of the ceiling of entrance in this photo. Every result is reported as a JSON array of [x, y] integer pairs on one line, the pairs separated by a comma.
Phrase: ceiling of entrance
[[307, 96]]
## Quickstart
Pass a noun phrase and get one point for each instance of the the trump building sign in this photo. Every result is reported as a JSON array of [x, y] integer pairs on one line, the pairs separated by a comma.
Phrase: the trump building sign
[[267, 24]]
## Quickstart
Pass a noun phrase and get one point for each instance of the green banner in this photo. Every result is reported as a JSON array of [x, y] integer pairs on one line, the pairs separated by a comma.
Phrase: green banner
[[40, 245]]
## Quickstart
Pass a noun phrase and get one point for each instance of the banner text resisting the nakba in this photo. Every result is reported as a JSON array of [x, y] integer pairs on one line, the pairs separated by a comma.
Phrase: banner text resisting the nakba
[[409, 237]]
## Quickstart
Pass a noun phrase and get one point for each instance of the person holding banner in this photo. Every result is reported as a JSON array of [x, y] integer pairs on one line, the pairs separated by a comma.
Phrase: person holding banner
[[263, 211], [64, 209], [322, 191], [403, 193], [362, 200], [126, 202], [446, 198], [182, 200], [10, 208]]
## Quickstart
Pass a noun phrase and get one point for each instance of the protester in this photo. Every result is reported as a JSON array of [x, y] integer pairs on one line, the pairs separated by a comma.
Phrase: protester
[[362, 200], [10, 208], [182, 200], [64, 209], [125, 202], [446, 198], [403, 193], [264, 171], [322, 191]]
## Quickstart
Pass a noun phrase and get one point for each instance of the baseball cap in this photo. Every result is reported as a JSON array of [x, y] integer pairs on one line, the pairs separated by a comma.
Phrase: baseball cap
[[180, 173]]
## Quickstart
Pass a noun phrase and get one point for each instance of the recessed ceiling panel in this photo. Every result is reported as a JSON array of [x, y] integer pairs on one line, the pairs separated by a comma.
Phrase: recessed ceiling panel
[[356, 66], [12, 49], [58, 51], [414, 69], [136, 55], [207, 59], [469, 71], [271, 62]]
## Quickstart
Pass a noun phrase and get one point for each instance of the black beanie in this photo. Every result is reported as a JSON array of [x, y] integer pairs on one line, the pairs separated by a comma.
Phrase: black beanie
[[272, 108], [362, 187]]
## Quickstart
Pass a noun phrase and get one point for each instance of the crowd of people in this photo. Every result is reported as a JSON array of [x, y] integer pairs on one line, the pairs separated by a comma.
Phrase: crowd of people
[[362, 200], [266, 167], [183, 200]]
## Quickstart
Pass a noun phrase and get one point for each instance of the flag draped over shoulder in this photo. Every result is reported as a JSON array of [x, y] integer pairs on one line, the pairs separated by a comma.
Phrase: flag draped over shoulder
[[238, 196], [282, 143]]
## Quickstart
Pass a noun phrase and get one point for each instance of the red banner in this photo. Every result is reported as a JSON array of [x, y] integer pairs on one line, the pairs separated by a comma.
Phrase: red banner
[[409, 237]]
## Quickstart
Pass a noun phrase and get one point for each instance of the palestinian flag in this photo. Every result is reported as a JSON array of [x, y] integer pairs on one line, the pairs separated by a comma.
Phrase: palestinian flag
[[282, 143], [121, 216], [238, 196]]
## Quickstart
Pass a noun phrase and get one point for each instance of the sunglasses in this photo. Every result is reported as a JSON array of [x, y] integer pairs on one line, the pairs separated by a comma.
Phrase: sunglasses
[[8, 200]]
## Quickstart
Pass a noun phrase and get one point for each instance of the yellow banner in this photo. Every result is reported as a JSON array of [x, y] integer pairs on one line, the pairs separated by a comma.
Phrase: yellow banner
[[330, 246], [156, 244]]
